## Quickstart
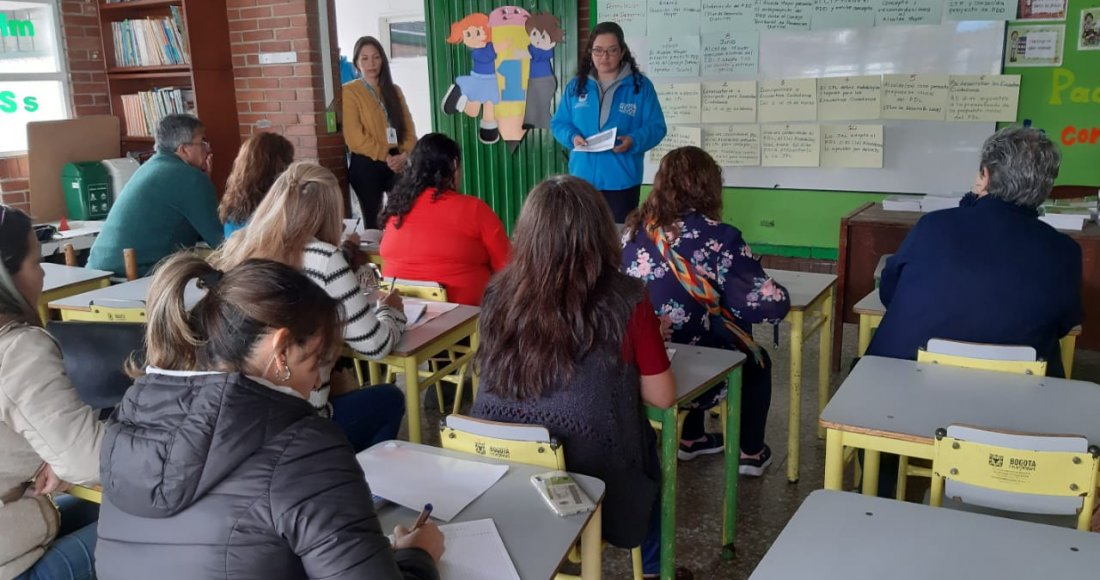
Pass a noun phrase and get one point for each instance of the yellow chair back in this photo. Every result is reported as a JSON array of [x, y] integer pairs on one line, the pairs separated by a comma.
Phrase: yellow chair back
[[116, 314], [528, 444], [1008, 469], [92, 494], [1038, 367], [981, 356]]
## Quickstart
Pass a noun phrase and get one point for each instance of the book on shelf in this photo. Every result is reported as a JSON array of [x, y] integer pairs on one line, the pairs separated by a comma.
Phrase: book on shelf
[[150, 41], [142, 111]]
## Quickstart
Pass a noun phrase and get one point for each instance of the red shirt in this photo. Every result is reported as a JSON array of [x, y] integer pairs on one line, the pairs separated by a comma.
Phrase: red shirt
[[455, 240], [642, 344]]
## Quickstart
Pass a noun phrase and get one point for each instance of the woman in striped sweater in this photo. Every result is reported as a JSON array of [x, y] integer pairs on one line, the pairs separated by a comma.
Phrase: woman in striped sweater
[[300, 223]]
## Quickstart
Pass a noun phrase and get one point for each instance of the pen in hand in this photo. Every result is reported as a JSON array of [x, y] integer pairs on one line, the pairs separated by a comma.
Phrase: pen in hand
[[422, 518]]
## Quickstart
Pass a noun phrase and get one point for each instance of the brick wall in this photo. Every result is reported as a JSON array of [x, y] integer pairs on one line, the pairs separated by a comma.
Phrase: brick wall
[[88, 86], [584, 14], [284, 98]]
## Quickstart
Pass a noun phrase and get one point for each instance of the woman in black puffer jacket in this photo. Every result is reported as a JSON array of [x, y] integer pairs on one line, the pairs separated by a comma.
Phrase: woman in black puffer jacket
[[226, 472]]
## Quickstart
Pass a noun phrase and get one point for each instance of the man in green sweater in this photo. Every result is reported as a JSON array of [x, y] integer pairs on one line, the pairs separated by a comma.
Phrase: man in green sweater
[[168, 204]]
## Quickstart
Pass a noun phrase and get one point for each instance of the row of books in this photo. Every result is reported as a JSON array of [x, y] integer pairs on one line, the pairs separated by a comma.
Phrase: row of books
[[150, 41], [144, 110], [1071, 214]]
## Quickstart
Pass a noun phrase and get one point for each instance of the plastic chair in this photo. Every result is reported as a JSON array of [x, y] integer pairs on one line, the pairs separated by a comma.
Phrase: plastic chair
[[92, 494], [518, 443], [972, 355], [1026, 473]]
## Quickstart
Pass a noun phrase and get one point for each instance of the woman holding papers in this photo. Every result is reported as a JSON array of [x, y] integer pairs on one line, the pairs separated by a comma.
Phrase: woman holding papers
[[216, 466], [703, 278], [437, 234], [609, 93], [300, 224], [570, 343]]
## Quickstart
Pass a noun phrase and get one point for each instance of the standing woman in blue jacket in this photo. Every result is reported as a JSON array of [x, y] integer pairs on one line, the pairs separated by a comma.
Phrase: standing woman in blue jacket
[[609, 91]]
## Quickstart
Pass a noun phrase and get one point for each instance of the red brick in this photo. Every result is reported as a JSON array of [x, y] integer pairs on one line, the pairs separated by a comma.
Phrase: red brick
[[254, 35], [272, 23], [255, 12]]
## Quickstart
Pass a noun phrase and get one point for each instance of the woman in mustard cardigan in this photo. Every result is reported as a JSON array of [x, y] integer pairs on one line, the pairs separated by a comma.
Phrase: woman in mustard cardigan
[[378, 128]]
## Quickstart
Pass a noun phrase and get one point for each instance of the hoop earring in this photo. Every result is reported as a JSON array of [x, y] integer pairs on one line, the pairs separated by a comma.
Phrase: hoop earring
[[286, 373]]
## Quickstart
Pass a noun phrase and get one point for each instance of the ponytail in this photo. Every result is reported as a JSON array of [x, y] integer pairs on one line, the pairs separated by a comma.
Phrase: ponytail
[[170, 340]]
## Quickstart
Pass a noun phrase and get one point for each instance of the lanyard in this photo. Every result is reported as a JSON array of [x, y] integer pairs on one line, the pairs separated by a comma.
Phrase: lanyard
[[381, 103]]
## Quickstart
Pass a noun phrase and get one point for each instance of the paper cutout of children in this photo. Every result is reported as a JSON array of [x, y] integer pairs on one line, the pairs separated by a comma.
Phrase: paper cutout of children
[[477, 93], [513, 68], [544, 31]]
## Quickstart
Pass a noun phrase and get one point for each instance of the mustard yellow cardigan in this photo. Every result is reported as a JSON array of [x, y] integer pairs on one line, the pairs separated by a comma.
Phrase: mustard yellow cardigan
[[365, 122]]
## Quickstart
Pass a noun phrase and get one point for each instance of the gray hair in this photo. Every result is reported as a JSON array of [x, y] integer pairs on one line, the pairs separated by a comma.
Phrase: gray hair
[[176, 130], [1022, 164]]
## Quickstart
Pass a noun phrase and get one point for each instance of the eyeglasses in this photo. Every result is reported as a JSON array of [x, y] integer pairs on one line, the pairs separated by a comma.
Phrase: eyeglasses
[[601, 51], [204, 143]]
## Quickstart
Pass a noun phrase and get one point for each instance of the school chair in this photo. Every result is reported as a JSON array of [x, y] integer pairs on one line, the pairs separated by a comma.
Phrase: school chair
[[93, 494], [1038, 476], [514, 442], [971, 355], [70, 256], [130, 267], [95, 356]]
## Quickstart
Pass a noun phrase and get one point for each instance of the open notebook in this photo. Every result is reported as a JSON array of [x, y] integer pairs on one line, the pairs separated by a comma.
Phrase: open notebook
[[475, 551]]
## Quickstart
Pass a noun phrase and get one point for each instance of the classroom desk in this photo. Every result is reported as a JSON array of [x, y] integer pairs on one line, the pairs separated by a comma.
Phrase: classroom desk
[[882, 538], [419, 345], [812, 298], [537, 539], [870, 232], [697, 369], [895, 406], [64, 281], [81, 234], [871, 311], [129, 296]]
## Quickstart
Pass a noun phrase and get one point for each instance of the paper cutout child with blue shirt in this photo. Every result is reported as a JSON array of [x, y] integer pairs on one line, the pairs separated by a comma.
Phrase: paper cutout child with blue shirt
[[545, 32]]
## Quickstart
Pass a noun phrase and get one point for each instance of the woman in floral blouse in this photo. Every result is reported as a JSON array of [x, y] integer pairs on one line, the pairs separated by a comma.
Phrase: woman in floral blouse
[[703, 280]]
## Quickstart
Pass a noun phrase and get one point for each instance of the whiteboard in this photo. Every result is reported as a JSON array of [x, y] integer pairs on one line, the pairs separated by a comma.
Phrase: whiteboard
[[919, 156]]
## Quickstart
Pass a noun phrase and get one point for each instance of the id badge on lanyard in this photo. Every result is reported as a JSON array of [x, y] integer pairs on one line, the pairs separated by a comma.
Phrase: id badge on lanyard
[[391, 135]]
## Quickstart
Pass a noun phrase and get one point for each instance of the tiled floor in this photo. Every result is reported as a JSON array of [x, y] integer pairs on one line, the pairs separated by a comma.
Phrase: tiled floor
[[765, 504]]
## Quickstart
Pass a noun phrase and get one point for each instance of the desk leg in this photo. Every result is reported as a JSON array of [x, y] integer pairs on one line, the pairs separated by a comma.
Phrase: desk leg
[[825, 348], [870, 472], [1068, 345], [474, 382], [592, 547], [733, 462], [412, 398], [834, 459], [864, 334], [669, 446], [795, 416]]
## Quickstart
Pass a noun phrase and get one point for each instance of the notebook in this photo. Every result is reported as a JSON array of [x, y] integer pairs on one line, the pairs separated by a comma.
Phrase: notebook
[[475, 551]]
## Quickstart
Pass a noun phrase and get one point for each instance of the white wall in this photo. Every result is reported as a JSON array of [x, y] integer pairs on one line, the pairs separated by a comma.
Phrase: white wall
[[355, 18]]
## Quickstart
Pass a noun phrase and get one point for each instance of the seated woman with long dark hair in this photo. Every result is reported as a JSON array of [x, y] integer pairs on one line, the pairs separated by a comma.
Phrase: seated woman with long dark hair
[[261, 160], [570, 343], [433, 232]]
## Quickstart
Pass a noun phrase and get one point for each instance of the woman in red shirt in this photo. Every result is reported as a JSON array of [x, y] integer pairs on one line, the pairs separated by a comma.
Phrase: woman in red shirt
[[435, 233]]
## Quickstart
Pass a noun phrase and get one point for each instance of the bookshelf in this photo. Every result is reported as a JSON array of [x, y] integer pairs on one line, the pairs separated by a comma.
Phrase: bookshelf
[[203, 66]]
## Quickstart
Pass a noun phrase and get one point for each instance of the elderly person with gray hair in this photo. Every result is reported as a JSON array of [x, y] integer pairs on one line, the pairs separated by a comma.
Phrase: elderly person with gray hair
[[989, 271], [168, 204]]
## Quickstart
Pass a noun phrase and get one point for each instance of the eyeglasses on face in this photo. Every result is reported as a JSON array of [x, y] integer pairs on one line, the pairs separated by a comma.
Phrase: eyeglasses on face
[[601, 51]]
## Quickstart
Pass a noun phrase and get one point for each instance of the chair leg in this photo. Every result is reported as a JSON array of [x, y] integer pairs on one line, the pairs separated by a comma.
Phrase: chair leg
[[636, 562], [936, 498], [903, 478]]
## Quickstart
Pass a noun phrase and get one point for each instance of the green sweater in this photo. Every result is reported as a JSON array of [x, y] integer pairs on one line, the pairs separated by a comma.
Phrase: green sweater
[[166, 205]]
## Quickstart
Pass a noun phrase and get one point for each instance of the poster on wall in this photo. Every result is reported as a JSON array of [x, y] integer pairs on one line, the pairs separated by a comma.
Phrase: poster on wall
[[1034, 44], [1043, 9], [1089, 37], [511, 83]]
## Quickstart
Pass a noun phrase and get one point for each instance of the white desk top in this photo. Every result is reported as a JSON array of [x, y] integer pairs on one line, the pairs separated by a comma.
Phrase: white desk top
[[129, 294], [803, 287], [696, 367], [416, 338], [908, 400], [536, 538], [872, 304], [80, 235], [847, 536], [59, 276]]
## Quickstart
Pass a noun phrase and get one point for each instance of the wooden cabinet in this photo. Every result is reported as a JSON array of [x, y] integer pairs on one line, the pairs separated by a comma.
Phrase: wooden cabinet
[[870, 232], [209, 72]]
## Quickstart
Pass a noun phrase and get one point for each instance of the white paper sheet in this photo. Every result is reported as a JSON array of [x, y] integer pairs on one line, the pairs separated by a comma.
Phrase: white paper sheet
[[475, 551], [603, 141], [413, 478]]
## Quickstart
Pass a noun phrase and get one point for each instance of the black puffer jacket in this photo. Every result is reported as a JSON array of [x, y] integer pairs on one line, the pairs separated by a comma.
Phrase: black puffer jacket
[[220, 477]]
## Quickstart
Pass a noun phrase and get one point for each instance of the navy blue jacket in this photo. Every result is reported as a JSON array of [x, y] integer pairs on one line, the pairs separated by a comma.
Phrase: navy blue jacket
[[991, 272]]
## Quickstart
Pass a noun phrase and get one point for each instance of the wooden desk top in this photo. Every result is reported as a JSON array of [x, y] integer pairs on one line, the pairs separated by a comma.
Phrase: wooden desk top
[[874, 214], [803, 287], [59, 276], [536, 538], [837, 535], [415, 339], [907, 400]]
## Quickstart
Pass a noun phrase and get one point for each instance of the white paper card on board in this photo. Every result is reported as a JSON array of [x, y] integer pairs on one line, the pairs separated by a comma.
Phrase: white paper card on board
[[628, 14], [676, 137], [849, 98], [851, 146], [407, 477], [983, 98], [914, 97], [787, 100], [729, 102], [475, 551], [733, 146], [790, 145], [681, 103]]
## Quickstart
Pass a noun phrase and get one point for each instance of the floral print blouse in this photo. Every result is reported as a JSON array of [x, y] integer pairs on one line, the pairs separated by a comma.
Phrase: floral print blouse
[[718, 252]]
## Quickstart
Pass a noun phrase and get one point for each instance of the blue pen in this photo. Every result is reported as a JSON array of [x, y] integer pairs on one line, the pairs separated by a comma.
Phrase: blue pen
[[423, 518]]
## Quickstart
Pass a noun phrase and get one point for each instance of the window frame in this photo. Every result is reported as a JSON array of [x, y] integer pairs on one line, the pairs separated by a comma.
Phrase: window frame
[[61, 76], [384, 31]]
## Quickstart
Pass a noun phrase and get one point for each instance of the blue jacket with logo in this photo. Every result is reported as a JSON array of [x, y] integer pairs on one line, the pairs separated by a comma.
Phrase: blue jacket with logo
[[637, 115]]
